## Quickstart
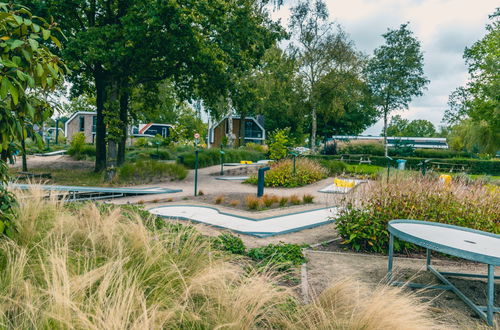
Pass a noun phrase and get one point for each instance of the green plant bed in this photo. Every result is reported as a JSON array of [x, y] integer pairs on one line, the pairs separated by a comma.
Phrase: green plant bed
[[210, 157], [474, 166], [363, 223], [282, 173], [130, 173], [148, 170]]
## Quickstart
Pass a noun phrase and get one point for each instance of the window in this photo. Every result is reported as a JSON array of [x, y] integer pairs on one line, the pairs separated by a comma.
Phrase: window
[[252, 130], [94, 124], [82, 123]]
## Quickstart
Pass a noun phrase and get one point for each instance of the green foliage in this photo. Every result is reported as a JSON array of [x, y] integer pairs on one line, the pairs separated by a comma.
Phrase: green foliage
[[278, 144], [396, 71], [473, 166], [210, 157], [415, 128], [329, 70], [7, 204], [149, 153], [281, 173], [477, 104], [150, 170], [364, 226], [281, 256], [142, 142], [362, 148], [28, 71], [255, 147], [334, 167], [230, 243], [79, 149]]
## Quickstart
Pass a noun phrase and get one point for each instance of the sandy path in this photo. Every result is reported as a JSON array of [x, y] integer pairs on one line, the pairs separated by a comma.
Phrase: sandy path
[[324, 268]]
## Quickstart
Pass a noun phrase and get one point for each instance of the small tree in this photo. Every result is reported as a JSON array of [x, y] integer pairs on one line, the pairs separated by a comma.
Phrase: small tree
[[278, 145], [395, 73], [28, 71]]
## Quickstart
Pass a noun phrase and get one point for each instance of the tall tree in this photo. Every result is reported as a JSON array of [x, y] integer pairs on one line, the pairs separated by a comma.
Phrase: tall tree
[[395, 72], [117, 45], [313, 31], [478, 103]]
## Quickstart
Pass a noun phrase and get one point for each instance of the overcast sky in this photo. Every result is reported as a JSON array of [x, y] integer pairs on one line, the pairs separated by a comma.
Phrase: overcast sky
[[444, 28]]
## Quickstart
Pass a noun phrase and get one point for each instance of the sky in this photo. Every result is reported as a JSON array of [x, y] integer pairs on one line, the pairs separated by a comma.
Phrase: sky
[[444, 28]]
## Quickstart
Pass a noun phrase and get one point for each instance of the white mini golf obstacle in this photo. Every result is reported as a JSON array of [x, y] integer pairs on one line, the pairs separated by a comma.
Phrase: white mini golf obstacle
[[265, 227], [341, 186]]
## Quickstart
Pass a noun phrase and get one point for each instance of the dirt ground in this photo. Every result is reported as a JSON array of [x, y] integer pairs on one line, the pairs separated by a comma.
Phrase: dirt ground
[[324, 267], [60, 162]]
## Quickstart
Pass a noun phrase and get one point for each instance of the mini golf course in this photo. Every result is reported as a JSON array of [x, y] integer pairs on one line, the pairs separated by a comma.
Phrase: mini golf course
[[264, 227]]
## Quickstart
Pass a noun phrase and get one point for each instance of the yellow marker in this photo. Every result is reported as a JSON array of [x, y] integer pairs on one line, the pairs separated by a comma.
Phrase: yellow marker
[[344, 183], [445, 179], [246, 162]]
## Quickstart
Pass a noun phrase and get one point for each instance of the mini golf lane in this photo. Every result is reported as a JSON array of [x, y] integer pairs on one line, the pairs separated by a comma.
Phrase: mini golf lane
[[265, 227]]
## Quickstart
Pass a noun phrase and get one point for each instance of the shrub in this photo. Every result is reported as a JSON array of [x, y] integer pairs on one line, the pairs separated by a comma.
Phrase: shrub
[[269, 200], [308, 199], [295, 200], [334, 167], [149, 170], [363, 225], [234, 203], [278, 144], [142, 142], [253, 203], [231, 243], [283, 201], [281, 173], [212, 157], [255, 147], [282, 256], [78, 149], [357, 147], [219, 199]]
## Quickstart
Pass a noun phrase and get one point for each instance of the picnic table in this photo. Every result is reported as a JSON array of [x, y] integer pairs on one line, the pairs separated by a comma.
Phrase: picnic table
[[356, 158], [451, 167], [465, 243]]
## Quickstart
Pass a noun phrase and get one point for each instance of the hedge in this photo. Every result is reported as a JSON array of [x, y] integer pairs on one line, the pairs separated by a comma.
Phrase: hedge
[[475, 166], [377, 149], [212, 157]]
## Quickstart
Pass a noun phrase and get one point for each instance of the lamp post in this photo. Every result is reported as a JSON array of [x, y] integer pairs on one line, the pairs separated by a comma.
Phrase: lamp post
[[221, 160], [196, 142], [294, 154]]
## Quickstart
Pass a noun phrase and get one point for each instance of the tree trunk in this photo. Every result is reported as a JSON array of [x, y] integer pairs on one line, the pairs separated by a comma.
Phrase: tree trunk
[[112, 139], [230, 135], [124, 98], [25, 162], [314, 128], [385, 133], [100, 136]]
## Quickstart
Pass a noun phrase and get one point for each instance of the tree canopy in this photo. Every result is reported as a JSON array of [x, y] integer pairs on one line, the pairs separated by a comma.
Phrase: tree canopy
[[475, 108], [399, 126], [395, 72]]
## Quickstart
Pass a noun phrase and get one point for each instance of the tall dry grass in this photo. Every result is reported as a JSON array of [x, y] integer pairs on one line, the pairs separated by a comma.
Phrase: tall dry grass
[[95, 268]]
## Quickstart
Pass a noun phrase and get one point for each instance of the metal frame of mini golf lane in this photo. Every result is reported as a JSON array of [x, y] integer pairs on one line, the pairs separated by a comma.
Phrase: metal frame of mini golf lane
[[250, 233], [76, 193], [485, 312]]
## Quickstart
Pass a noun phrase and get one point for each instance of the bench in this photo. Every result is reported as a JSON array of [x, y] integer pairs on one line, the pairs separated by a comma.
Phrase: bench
[[448, 167], [355, 158]]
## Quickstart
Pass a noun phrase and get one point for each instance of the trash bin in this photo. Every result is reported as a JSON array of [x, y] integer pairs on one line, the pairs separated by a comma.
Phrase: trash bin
[[401, 164]]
